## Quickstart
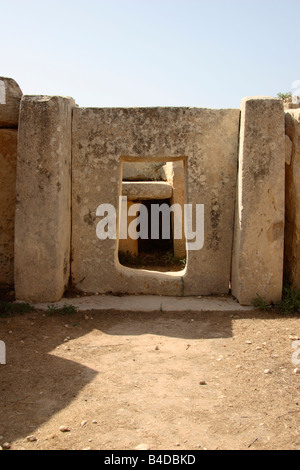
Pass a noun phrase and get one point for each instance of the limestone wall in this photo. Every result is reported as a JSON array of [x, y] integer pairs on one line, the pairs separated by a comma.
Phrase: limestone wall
[[10, 96], [242, 165]]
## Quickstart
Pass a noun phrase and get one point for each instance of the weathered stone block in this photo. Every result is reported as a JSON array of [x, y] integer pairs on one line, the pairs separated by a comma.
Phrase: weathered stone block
[[127, 245], [207, 140], [147, 190], [43, 211], [10, 97], [292, 227], [259, 227], [175, 172], [8, 163], [144, 171]]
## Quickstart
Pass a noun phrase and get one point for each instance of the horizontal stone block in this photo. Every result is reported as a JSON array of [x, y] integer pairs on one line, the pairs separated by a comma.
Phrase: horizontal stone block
[[147, 191], [144, 171]]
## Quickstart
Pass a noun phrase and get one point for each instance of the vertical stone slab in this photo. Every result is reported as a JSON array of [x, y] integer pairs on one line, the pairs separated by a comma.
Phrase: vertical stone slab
[[8, 163], [10, 98], [259, 226], [292, 215], [127, 245], [176, 176], [206, 140], [43, 210]]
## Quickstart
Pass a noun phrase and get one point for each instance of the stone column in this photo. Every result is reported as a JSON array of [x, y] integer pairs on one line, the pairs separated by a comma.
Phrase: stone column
[[259, 222], [43, 211], [10, 97]]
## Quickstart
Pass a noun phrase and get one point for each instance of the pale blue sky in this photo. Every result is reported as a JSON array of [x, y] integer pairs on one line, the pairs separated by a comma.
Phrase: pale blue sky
[[202, 53]]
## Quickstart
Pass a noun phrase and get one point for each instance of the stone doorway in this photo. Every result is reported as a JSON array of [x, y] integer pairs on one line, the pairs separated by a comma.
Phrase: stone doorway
[[156, 186]]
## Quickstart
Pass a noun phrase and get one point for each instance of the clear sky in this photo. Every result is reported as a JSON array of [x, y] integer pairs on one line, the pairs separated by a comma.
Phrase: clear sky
[[202, 53]]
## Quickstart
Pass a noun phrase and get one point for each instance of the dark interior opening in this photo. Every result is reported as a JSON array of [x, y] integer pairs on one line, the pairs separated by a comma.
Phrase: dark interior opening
[[161, 245], [154, 254], [158, 254]]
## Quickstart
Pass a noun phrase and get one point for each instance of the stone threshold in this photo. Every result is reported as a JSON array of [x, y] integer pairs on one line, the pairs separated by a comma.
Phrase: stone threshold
[[150, 303]]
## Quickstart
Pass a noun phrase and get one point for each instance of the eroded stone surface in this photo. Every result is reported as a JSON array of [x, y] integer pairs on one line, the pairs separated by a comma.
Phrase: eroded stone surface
[[292, 226], [259, 228], [144, 171], [288, 150], [146, 191], [206, 139], [8, 163], [43, 211]]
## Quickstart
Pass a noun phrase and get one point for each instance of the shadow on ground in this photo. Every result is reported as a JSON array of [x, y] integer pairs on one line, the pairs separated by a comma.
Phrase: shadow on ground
[[35, 384]]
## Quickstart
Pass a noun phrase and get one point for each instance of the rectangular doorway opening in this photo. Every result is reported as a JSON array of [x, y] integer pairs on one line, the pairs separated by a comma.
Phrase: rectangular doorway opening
[[151, 190]]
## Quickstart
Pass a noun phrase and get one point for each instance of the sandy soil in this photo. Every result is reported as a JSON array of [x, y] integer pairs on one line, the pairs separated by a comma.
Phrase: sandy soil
[[169, 381]]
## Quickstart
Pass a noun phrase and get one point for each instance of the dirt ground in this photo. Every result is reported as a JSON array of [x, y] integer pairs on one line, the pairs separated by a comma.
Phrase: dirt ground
[[169, 381]]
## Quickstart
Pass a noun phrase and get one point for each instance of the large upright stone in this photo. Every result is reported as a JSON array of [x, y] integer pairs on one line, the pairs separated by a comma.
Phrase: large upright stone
[[8, 163], [206, 141], [10, 97], [259, 226], [43, 211], [292, 228]]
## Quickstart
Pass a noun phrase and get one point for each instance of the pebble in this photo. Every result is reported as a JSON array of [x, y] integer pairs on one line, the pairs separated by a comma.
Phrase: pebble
[[31, 439], [64, 429], [248, 342], [297, 371], [6, 446], [142, 447], [202, 382], [94, 422], [83, 423], [267, 371]]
